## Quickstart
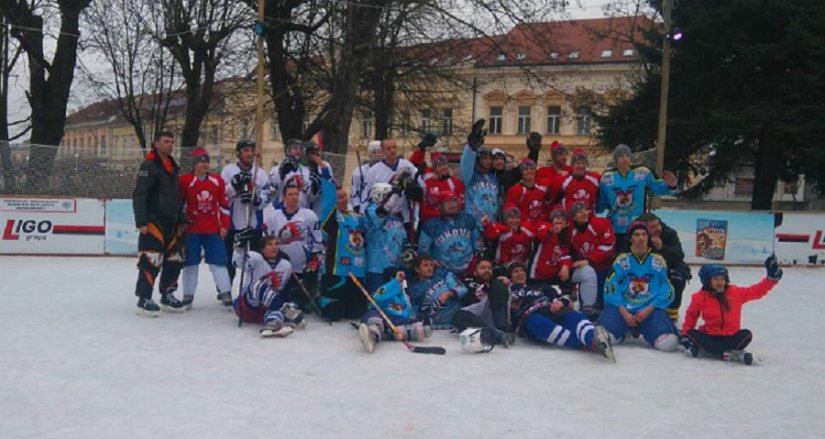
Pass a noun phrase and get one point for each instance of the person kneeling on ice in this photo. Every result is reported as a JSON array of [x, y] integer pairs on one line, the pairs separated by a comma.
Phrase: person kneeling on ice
[[396, 306], [720, 305], [262, 295], [485, 319], [637, 294], [541, 312], [435, 293]]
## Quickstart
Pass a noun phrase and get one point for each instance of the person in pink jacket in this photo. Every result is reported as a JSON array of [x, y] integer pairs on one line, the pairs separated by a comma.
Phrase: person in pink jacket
[[720, 305]]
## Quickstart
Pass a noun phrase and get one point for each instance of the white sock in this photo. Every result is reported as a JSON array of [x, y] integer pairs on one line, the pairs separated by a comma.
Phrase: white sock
[[190, 280], [221, 276]]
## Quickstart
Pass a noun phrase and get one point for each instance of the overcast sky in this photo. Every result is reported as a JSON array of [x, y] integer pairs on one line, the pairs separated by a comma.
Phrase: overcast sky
[[19, 108]]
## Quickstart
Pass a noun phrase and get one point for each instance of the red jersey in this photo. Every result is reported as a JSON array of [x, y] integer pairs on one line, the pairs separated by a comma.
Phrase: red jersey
[[205, 203], [432, 187], [596, 243], [513, 245], [552, 252], [546, 175], [580, 190], [534, 203], [720, 321]]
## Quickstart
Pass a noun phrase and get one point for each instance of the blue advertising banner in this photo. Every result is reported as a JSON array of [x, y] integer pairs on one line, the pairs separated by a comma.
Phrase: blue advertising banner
[[121, 233]]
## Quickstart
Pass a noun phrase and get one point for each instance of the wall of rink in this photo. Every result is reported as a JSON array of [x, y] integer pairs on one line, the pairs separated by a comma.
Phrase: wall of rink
[[86, 226]]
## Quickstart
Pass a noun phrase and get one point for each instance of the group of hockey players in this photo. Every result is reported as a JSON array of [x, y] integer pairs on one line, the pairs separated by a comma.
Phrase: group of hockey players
[[496, 252]]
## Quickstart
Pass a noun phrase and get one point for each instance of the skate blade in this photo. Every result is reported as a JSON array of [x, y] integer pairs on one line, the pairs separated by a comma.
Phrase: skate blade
[[283, 332], [365, 335], [143, 313], [173, 310]]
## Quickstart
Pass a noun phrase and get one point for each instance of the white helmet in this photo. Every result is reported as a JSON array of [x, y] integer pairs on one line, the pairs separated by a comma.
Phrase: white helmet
[[472, 341], [380, 191], [374, 152]]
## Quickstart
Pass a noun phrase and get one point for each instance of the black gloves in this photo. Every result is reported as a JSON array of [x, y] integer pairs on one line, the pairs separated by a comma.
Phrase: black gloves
[[414, 192], [244, 236], [240, 180], [315, 181], [429, 140], [247, 197], [534, 141], [286, 167], [772, 268], [477, 134]]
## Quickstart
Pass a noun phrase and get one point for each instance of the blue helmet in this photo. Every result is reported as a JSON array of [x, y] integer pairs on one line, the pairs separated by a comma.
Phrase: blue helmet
[[712, 270]]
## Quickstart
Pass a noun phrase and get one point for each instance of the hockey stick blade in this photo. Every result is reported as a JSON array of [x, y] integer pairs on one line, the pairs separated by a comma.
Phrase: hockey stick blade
[[435, 350]]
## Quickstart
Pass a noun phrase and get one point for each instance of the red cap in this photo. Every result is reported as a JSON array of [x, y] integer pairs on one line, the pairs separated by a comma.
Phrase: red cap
[[445, 196], [200, 155]]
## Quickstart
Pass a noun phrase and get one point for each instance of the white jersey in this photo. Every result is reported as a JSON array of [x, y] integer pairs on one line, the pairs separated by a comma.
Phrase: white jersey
[[358, 187], [257, 267], [238, 210], [299, 235], [381, 172], [310, 194]]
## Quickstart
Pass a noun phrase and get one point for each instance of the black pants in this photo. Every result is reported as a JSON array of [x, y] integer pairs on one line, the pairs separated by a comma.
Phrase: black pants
[[679, 282], [296, 294], [341, 298], [718, 344], [159, 251]]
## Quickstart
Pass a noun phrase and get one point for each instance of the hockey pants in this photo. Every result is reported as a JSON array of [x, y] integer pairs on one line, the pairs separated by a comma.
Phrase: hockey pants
[[159, 251]]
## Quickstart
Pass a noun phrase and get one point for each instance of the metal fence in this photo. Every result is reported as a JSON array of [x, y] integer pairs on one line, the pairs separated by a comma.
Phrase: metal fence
[[101, 173]]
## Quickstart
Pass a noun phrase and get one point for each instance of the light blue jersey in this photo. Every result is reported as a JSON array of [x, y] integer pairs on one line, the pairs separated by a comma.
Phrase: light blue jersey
[[451, 242], [385, 239], [624, 196], [482, 189], [392, 300], [638, 282], [424, 295]]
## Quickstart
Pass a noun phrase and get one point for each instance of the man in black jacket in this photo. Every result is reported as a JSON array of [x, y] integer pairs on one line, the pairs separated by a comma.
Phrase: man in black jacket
[[157, 206], [665, 241]]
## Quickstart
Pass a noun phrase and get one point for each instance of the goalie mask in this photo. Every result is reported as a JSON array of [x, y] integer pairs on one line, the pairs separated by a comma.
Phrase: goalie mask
[[379, 192], [473, 340]]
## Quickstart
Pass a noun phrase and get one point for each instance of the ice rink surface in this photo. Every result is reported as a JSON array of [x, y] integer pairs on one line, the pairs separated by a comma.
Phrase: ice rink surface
[[78, 363]]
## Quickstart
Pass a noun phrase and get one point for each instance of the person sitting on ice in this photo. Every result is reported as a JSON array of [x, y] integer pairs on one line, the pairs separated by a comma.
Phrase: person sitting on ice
[[541, 312], [395, 304], [484, 321], [261, 299], [637, 294], [719, 304], [435, 293]]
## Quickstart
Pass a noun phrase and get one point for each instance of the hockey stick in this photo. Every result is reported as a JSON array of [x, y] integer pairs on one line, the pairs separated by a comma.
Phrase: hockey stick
[[437, 350], [249, 210], [311, 300]]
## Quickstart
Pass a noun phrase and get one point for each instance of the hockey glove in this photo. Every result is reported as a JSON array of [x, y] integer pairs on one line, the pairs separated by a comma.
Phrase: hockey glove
[[534, 141], [429, 140], [312, 264], [315, 182], [245, 197], [408, 257], [244, 236], [772, 267], [477, 134], [381, 211], [414, 192], [286, 167], [240, 180]]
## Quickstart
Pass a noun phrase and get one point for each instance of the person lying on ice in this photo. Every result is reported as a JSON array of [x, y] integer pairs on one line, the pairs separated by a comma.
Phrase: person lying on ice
[[720, 305]]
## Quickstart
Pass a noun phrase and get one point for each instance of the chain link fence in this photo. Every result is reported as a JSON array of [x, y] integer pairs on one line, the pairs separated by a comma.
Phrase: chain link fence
[[51, 171]]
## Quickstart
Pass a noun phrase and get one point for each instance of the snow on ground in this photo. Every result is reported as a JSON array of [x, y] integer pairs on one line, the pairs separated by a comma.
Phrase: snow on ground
[[78, 362]]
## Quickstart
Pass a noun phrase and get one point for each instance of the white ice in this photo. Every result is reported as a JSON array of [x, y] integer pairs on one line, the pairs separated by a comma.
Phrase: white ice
[[78, 363]]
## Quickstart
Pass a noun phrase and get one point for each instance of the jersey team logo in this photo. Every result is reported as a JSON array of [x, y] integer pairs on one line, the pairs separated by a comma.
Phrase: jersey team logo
[[639, 288], [355, 243], [624, 198], [518, 252], [205, 202], [290, 232], [586, 249]]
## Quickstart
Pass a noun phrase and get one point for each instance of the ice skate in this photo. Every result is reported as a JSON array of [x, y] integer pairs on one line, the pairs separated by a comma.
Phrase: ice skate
[[275, 329], [738, 356], [147, 308], [369, 336], [293, 315], [225, 298], [187, 301], [601, 343], [170, 303]]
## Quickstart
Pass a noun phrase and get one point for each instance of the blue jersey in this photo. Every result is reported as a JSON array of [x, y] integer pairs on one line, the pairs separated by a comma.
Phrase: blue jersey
[[638, 282], [392, 300], [524, 299], [482, 189], [624, 196], [346, 252], [385, 239], [424, 295], [451, 242]]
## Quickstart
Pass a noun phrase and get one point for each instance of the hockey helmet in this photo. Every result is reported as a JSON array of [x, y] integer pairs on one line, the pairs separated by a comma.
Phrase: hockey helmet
[[380, 191], [244, 143], [292, 143], [709, 271]]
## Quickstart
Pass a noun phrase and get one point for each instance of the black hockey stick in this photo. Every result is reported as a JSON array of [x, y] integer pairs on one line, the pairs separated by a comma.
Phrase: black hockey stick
[[437, 350], [311, 300]]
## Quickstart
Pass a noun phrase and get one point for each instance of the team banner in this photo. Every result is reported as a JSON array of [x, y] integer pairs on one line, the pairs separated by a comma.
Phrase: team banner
[[121, 233], [51, 226], [800, 240], [726, 237]]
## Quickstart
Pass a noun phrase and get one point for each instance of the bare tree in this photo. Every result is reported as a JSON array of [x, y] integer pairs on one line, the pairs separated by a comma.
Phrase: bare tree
[[8, 59], [140, 75], [199, 34], [49, 81]]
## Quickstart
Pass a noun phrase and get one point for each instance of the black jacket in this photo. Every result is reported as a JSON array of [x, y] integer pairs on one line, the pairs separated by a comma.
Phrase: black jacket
[[157, 193], [672, 251]]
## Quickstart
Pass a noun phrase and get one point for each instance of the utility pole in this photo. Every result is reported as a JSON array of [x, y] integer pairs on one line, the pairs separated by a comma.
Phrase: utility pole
[[259, 111], [667, 6]]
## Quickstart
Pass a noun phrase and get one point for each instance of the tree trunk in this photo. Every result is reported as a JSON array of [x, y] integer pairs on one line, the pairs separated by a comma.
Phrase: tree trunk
[[766, 166], [289, 103], [384, 95]]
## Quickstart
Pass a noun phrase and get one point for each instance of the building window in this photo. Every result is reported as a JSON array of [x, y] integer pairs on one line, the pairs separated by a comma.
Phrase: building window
[[607, 53], [103, 150], [743, 188], [405, 123], [574, 54], [523, 120], [553, 119], [627, 52], [426, 120], [495, 120], [366, 125], [584, 122], [447, 122]]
